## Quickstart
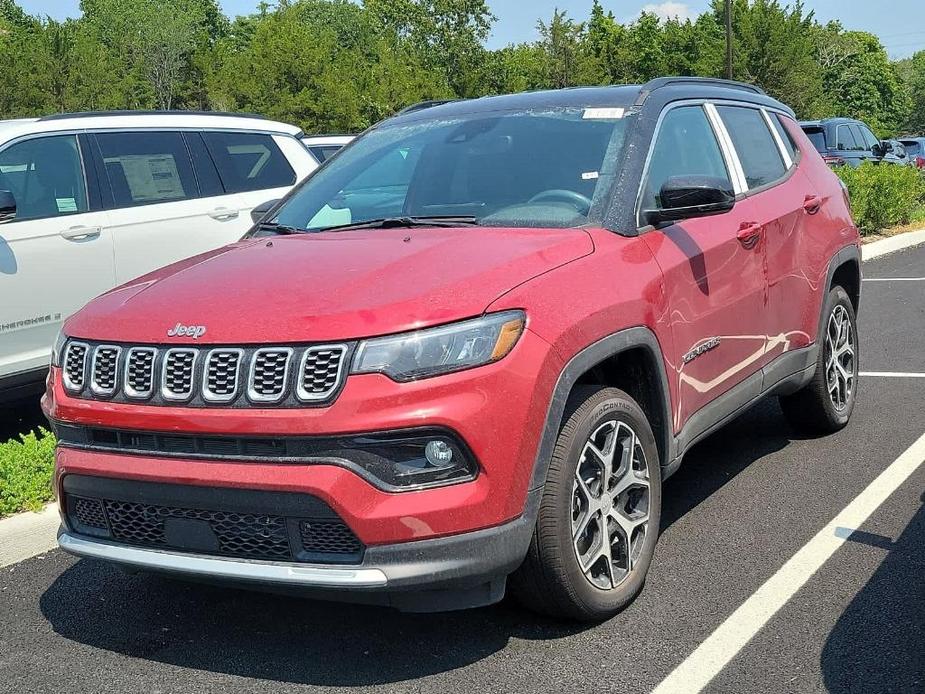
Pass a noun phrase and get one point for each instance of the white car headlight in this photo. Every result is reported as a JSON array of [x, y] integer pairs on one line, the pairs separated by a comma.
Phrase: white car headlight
[[440, 350]]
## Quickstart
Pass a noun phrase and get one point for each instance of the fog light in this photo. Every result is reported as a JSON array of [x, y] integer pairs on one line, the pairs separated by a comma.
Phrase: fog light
[[438, 453]]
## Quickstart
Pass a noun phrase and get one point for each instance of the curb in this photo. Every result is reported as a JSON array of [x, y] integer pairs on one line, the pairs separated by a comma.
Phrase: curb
[[883, 247], [27, 534]]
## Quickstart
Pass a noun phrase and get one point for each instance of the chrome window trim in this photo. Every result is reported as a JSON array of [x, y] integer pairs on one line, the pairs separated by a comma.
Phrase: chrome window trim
[[739, 183], [65, 378], [207, 394], [253, 395], [782, 148], [169, 395], [301, 393], [129, 391], [96, 389]]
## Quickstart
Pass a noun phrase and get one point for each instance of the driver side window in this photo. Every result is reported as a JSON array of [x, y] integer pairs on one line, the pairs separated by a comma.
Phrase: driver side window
[[44, 176], [685, 145]]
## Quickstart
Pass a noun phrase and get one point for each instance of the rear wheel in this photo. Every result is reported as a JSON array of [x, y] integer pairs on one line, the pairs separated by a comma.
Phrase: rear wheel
[[825, 404], [599, 517]]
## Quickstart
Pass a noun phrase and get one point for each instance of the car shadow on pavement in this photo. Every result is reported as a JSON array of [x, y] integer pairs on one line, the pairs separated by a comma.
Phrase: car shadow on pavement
[[276, 637], [716, 460], [286, 639], [878, 643]]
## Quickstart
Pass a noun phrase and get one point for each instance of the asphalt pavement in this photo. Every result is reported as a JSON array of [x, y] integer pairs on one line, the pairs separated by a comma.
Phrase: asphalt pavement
[[744, 502]]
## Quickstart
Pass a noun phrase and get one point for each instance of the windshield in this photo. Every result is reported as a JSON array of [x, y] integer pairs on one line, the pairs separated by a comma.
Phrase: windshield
[[543, 168], [817, 137]]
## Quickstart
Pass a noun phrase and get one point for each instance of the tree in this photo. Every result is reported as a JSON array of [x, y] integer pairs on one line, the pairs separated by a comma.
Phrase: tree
[[912, 73]]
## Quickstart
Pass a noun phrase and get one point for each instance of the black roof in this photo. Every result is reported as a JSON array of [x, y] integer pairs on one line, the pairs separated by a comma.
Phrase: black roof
[[629, 95]]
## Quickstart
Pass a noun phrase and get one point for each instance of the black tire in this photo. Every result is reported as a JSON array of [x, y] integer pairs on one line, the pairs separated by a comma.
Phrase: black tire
[[551, 580], [813, 409]]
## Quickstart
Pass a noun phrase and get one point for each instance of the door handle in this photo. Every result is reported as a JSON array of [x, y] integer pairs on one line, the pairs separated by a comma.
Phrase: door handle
[[222, 213], [749, 233], [80, 233], [811, 204]]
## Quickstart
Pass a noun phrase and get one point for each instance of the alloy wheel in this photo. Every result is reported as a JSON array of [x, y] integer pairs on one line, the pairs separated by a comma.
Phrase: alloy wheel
[[839, 358], [610, 504]]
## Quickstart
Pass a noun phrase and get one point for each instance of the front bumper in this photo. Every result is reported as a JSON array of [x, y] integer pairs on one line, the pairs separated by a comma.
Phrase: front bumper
[[447, 573]]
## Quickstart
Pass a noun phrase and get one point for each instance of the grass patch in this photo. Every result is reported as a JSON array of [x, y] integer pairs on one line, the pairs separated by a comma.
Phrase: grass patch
[[26, 470]]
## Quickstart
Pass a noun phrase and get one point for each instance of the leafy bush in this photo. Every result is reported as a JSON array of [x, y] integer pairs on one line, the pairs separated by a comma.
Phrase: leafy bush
[[884, 195], [26, 469]]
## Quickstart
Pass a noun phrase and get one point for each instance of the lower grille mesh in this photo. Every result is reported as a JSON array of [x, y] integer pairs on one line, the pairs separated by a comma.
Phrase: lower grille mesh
[[230, 533]]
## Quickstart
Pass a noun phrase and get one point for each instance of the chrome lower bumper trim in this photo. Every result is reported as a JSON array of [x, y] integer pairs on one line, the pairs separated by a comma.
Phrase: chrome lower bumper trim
[[221, 567]]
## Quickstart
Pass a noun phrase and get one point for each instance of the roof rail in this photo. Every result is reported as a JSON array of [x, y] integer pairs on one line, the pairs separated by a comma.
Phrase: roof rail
[[660, 82], [92, 114], [421, 105]]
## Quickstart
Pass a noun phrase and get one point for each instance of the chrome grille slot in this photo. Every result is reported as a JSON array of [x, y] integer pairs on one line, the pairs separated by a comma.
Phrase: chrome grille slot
[[104, 372], [269, 374], [177, 374], [220, 382], [320, 372], [139, 372], [75, 366]]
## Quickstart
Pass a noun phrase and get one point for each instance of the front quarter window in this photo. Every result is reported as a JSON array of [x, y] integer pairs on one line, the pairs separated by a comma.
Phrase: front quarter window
[[529, 168]]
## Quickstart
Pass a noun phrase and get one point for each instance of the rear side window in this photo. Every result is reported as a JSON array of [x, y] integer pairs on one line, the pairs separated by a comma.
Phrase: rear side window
[[778, 121], [758, 152], [146, 168], [816, 135], [845, 139], [324, 152], [913, 148], [685, 146], [45, 177], [248, 161]]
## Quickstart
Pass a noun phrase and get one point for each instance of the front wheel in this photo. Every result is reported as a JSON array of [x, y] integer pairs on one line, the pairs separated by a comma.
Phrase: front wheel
[[825, 404], [599, 517]]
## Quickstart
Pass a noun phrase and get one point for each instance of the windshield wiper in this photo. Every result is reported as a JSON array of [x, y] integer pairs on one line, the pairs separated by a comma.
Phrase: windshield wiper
[[407, 222], [278, 228]]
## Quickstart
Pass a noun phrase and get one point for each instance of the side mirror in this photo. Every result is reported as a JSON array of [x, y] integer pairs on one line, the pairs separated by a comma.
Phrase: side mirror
[[7, 206], [881, 149], [261, 210], [684, 197]]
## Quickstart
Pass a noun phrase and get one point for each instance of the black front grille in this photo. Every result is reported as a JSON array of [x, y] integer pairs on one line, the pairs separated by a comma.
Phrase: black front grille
[[89, 512], [178, 373], [222, 374], [320, 372], [238, 535], [325, 537], [139, 373], [75, 365], [105, 369], [269, 374], [246, 524]]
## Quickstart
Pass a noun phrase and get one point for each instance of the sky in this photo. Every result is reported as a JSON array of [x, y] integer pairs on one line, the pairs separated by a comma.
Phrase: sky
[[901, 29]]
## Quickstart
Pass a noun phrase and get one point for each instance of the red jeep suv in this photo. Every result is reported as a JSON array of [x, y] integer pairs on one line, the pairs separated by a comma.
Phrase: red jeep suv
[[469, 349]]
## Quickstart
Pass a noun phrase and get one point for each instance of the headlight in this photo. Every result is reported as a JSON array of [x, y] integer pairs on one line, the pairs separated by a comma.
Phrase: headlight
[[57, 351], [440, 350]]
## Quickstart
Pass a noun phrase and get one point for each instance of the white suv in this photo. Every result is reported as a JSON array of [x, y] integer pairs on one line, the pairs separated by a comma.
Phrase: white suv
[[89, 201]]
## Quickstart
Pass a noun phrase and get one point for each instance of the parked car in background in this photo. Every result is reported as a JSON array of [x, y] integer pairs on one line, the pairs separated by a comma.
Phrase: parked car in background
[[896, 153], [846, 141], [323, 147], [92, 200], [479, 372], [915, 150]]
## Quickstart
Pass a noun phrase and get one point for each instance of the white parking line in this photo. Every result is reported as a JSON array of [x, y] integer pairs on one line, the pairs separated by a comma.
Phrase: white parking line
[[711, 656], [892, 374], [894, 279]]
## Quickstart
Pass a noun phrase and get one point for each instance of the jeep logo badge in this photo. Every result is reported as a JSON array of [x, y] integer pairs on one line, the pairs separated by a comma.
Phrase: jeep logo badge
[[193, 331]]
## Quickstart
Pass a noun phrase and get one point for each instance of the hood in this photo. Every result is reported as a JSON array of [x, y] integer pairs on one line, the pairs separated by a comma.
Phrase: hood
[[328, 286]]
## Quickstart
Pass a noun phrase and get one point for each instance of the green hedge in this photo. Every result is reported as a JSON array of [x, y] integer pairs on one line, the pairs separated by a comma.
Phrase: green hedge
[[884, 195], [26, 470]]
